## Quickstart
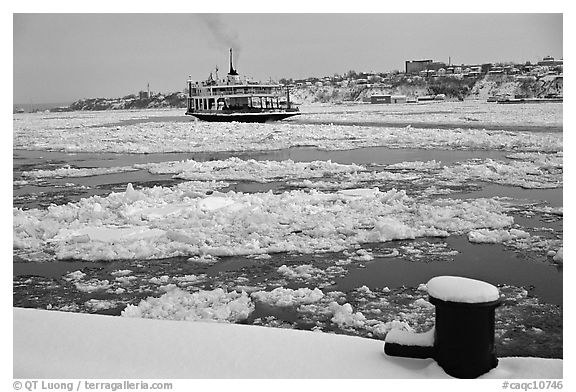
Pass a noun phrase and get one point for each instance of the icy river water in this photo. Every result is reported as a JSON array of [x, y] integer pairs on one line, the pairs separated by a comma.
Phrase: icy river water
[[385, 200]]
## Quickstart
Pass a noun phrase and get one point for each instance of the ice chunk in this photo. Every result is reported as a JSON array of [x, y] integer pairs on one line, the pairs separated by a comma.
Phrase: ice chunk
[[92, 285], [382, 329], [416, 165], [132, 195], [67, 171], [364, 289], [305, 271], [76, 275], [208, 305], [496, 236], [121, 272], [359, 192], [458, 289], [388, 229], [111, 234], [288, 297], [559, 256], [100, 304], [161, 280], [422, 303], [125, 280], [344, 316], [215, 203]]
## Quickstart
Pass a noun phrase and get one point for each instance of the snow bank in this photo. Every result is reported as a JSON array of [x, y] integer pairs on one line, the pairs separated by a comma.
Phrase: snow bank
[[407, 338], [458, 289], [160, 222], [83, 346]]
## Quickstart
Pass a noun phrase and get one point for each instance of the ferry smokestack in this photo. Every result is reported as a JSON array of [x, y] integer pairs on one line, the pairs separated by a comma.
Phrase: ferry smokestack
[[232, 70]]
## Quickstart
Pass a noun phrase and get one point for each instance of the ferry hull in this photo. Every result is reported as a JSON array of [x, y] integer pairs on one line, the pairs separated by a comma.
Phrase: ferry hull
[[243, 117]]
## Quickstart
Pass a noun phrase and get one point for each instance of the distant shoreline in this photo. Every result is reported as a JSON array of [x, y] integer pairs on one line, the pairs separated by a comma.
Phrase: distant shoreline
[[30, 107]]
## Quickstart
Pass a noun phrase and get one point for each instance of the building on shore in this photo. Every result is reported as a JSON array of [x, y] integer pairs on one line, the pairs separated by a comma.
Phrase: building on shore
[[549, 61], [417, 66], [387, 98]]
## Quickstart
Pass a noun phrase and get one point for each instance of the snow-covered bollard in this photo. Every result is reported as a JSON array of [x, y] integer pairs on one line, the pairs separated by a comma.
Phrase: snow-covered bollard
[[464, 337], [462, 341]]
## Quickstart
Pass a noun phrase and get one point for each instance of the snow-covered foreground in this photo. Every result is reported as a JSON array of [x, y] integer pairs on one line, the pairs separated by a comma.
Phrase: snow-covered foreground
[[49, 344]]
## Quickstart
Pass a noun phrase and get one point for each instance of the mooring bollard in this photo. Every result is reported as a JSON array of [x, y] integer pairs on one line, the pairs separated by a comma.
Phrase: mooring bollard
[[463, 341]]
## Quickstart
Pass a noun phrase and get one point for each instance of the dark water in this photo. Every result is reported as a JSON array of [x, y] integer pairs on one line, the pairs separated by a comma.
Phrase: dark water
[[488, 262], [26, 160], [554, 197]]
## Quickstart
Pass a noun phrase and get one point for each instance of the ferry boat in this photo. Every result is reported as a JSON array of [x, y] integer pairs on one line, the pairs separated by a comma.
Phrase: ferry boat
[[236, 99]]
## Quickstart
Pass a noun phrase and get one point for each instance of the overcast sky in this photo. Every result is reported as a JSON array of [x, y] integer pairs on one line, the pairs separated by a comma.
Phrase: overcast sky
[[65, 57]]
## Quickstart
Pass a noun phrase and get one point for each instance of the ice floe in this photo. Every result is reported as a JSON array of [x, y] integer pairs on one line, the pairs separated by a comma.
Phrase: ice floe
[[344, 316], [305, 271], [100, 304], [496, 236], [165, 222], [518, 173], [67, 171], [177, 304], [559, 256], [281, 296], [92, 285], [248, 170], [532, 171], [29, 133]]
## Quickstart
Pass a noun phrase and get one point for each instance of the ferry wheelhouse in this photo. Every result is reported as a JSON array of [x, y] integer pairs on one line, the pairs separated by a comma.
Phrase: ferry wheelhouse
[[235, 99]]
